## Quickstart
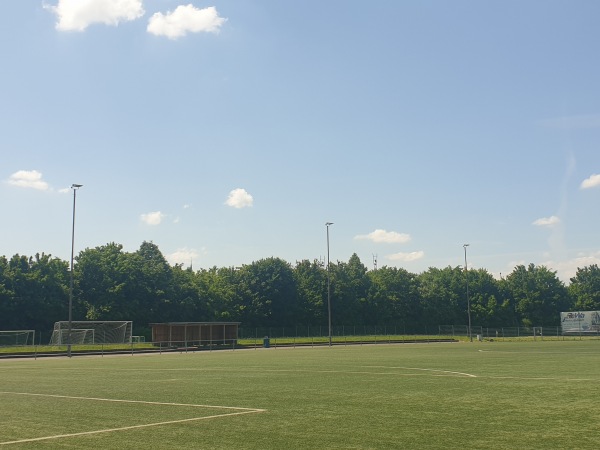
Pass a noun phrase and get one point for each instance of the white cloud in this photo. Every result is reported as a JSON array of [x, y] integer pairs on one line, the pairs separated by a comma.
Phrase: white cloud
[[183, 256], [387, 237], [566, 269], [546, 221], [239, 198], [406, 257], [185, 19], [592, 181], [77, 15], [152, 218], [28, 179], [510, 267]]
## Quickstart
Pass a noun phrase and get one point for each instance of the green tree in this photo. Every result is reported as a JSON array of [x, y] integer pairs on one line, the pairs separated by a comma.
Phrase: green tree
[[116, 285], [7, 295], [394, 295], [150, 284], [188, 301], [220, 286], [102, 283], [311, 282], [349, 294], [443, 296], [538, 295], [585, 289], [488, 306], [268, 294], [33, 292]]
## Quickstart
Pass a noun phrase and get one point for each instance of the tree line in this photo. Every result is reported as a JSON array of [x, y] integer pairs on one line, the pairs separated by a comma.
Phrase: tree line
[[141, 286]]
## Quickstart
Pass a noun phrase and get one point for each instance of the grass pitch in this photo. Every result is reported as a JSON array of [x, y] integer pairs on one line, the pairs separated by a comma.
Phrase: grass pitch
[[500, 395]]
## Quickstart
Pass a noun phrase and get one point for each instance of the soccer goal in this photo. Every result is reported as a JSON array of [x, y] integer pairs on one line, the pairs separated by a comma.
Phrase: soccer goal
[[92, 332], [17, 337], [78, 336]]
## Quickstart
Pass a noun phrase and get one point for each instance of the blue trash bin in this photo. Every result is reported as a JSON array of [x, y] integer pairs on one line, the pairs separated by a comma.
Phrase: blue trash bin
[[266, 342]]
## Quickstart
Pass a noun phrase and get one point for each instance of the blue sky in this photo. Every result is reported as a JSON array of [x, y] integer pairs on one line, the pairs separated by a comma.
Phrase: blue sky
[[230, 131]]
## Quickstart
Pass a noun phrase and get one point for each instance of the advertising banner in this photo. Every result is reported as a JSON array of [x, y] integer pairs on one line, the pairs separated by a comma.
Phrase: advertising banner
[[580, 322]]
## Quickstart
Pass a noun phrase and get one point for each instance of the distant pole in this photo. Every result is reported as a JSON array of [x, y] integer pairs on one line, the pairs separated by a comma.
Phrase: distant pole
[[328, 284], [74, 187], [467, 283]]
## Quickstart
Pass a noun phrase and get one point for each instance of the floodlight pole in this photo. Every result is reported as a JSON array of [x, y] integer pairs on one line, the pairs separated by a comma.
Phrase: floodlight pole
[[328, 284], [467, 284], [74, 187]]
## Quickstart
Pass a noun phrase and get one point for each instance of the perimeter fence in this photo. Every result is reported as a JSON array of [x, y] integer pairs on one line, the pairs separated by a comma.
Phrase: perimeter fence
[[440, 331], [301, 336]]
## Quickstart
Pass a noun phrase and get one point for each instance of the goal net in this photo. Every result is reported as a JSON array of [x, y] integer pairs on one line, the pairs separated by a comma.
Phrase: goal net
[[78, 336], [90, 332], [17, 337]]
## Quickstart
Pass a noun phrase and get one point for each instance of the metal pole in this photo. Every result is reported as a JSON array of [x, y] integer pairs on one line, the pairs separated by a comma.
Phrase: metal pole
[[74, 187], [328, 284], [467, 283]]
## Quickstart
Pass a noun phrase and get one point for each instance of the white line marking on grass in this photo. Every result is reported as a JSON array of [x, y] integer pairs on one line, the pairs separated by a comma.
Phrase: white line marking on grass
[[239, 411], [133, 401], [452, 373], [442, 373], [538, 352], [133, 427], [498, 377]]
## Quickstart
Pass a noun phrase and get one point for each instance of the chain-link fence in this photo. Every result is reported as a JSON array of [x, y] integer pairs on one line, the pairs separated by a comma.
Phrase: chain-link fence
[[441, 331]]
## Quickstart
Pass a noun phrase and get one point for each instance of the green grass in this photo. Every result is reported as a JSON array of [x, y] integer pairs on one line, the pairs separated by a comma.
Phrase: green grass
[[20, 349], [274, 342], [248, 343], [338, 340], [501, 395]]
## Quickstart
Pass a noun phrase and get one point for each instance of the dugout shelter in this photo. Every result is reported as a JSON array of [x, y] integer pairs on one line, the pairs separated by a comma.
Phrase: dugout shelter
[[195, 333]]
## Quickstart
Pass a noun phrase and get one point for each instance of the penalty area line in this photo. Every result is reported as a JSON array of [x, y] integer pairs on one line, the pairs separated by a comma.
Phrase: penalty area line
[[132, 427], [438, 371], [98, 399]]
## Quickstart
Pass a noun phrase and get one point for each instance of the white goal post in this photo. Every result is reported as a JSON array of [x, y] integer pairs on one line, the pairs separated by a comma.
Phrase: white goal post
[[17, 337], [92, 332]]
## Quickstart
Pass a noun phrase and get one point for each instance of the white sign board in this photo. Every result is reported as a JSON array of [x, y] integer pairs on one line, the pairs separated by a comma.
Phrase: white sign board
[[580, 322]]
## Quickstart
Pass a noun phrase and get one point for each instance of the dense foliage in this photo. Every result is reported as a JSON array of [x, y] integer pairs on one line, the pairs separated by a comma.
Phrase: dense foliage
[[110, 284]]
